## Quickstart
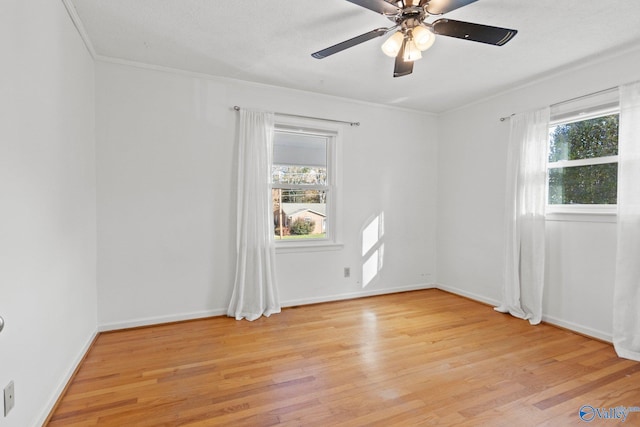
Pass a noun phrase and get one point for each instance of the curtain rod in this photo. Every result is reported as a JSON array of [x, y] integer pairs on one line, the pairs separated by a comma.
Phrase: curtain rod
[[237, 108], [502, 119]]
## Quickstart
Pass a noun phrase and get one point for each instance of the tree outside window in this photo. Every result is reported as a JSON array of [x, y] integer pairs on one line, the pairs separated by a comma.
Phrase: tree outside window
[[583, 163]]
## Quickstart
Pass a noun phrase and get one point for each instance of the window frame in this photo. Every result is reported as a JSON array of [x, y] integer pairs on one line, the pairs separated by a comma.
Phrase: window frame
[[332, 239], [580, 212]]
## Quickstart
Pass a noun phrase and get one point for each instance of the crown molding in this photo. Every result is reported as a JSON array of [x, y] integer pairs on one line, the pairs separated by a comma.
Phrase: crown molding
[[75, 19], [222, 79]]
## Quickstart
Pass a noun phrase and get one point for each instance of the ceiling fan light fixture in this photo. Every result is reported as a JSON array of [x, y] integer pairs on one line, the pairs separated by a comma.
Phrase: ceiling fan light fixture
[[411, 34], [423, 38], [393, 44], [411, 51]]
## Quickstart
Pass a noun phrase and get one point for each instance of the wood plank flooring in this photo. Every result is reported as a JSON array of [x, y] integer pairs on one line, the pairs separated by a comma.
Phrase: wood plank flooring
[[416, 358]]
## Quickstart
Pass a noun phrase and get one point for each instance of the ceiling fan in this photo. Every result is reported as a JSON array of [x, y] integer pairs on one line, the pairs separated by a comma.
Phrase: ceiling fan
[[412, 35]]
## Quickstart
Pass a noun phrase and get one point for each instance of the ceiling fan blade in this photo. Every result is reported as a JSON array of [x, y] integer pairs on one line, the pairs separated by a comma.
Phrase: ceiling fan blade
[[380, 6], [402, 67], [476, 32], [440, 7], [378, 32]]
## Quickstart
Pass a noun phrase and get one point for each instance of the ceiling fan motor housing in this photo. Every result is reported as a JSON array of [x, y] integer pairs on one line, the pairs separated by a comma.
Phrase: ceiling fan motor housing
[[410, 17]]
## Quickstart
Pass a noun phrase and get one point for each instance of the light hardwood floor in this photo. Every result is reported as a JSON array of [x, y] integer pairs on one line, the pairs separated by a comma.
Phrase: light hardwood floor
[[416, 358]]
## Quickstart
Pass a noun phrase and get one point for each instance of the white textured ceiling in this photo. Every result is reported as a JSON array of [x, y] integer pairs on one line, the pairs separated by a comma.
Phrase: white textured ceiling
[[271, 41]]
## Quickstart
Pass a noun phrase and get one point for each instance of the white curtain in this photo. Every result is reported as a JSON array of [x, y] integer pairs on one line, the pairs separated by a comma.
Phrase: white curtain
[[255, 290], [626, 305], [524, 216]]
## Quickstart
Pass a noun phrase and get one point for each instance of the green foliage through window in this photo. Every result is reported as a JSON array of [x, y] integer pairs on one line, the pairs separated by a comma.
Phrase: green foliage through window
[[585, 139], [584, 183], [302, 227]]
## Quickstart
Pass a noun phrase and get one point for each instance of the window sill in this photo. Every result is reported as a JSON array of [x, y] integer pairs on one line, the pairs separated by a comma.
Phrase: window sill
[[583, 215], [286, 248]]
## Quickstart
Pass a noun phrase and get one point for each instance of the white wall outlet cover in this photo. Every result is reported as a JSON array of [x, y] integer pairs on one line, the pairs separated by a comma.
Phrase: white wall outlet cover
[[9, 398]]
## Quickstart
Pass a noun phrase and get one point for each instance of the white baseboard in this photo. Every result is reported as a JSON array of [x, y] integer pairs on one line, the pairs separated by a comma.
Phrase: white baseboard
[[545, 318], [578, 328], [352, 295], [62, 384], [148, 321], [470, 295]]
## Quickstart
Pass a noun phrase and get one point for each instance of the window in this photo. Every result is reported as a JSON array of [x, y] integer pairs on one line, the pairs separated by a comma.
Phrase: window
[[583, 162], [583, 157], [303, 189]]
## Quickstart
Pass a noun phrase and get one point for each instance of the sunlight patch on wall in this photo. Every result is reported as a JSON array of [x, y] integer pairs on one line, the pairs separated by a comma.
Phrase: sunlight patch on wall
[[372, 249]]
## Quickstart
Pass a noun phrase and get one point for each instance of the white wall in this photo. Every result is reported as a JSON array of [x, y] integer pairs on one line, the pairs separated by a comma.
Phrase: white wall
[[164, 236], [166, 150], [471, 163], [47, 204]]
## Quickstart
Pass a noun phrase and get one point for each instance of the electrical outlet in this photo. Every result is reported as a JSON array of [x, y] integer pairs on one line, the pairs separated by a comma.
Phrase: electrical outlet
[[347, 272], [9, 398]]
